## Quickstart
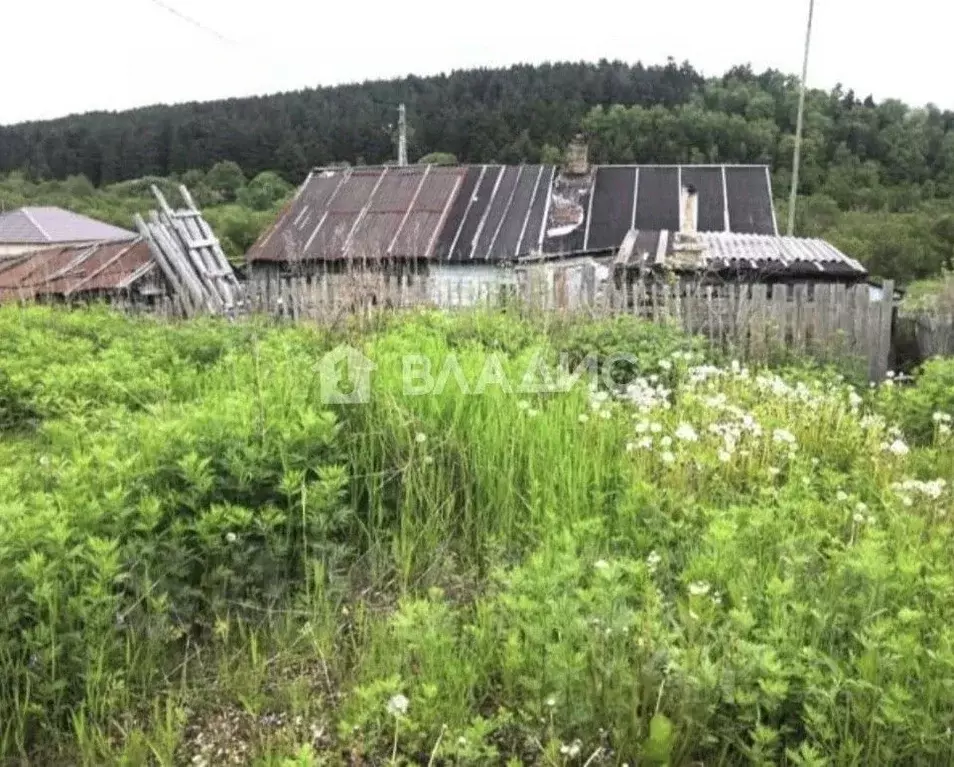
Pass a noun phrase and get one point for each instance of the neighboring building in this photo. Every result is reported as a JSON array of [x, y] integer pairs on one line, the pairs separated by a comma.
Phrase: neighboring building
[[463, 224], [27, 230], [108, 270]]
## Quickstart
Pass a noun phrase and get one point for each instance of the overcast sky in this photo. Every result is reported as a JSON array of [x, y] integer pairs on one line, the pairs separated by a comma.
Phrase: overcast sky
[[65, 56]]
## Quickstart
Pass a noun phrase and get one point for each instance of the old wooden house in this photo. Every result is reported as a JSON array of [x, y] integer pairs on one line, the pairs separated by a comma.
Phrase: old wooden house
[[434, 229]]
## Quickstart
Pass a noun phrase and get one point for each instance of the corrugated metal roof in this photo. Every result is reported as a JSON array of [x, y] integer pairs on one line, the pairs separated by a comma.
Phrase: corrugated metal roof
[[499, 213], [730, 252], [68, 271], [42, 225]]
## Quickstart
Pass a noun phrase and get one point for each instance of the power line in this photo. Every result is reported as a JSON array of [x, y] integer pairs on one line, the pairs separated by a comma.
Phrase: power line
[[189, 20]]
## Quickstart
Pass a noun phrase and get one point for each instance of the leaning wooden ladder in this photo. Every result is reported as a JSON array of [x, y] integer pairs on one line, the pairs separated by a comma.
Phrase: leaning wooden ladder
[[191, 258]]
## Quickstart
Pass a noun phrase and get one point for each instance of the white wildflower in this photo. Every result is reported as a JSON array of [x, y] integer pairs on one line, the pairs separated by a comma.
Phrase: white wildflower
[[666, 442], [783, 436], [665, 364], [523, 404], [854, 400], [630, 447], [655, 428], [725, 456], [551, 702], [420, 438], [601, 564], [646, 443], [859, 518], [699, 588], [841, 496], [428, 460], [571, 751], [642, 427], [605, 414], [944, 430], [653, 560], [533, 413], [583, 418], [774, 471], [686, 433], [231, 537], [397, 705], [861, 508], [898, 448], [668, 457]]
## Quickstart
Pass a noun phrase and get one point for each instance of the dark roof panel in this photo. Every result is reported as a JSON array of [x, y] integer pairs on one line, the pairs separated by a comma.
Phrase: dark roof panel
[[505, 246], [708, 183], [611, 213], [458, 209], [657, 200], [496, 211], [533, 230], [463, 248], [751, 210]]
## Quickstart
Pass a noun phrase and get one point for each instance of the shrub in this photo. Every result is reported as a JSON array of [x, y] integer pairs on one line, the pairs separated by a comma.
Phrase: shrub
[[914, 407], [639, 345]]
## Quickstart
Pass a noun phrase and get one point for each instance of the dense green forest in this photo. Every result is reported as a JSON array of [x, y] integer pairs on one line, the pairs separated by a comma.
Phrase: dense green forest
[[878, 178]]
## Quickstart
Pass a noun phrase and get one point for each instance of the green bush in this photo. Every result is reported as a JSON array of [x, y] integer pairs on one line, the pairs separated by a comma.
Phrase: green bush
[[914, 408], [640, 346]]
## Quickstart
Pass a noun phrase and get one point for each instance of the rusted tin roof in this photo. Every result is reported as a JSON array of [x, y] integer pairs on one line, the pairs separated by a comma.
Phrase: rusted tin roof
[[74, 270], [500, 213]]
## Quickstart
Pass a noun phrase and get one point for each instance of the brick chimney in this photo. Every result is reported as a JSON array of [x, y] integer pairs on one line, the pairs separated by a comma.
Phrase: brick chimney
[[688, 250], [578, 156]]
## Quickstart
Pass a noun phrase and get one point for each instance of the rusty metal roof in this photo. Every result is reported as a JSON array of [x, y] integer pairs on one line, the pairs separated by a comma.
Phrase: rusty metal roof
[[68, 271], [501, 213]]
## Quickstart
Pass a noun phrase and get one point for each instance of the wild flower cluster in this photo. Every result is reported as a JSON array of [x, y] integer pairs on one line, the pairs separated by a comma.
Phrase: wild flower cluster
[[706, 562]]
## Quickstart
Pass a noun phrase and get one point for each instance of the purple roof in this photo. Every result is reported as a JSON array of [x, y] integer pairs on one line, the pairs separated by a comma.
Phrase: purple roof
[[55, 225]]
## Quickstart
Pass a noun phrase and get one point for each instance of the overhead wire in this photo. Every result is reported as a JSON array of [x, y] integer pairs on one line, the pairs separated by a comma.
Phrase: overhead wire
[[194, 22]]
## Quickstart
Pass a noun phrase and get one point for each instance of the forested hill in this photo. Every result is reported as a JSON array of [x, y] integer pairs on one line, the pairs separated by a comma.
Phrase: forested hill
[[504, 114], [879, 176], [512, 115]]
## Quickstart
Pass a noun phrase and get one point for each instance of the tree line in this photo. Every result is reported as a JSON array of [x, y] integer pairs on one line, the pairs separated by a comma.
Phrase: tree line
[[878, 177]]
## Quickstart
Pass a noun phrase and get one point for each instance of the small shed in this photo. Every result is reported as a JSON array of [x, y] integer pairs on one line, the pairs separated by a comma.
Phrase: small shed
[[109, 270]]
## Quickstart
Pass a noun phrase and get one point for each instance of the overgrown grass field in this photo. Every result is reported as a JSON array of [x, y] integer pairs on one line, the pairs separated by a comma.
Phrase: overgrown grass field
[[695, 563]]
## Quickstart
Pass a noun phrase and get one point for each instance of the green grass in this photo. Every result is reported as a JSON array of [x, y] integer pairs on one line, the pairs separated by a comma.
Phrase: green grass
[[199, 561]]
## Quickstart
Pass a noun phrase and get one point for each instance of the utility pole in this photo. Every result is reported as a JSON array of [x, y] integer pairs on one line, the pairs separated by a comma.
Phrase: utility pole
[[402, 135], [800, 123]]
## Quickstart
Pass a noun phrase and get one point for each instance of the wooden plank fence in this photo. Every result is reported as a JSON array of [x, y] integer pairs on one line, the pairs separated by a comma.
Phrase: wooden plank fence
[[755, 321]]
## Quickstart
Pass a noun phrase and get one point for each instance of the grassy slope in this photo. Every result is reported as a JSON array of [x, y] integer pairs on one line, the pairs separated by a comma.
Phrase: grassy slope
[[199, 561]]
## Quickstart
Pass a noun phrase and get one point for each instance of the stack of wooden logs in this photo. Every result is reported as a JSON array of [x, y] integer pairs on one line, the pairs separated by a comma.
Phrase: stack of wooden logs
[[191, 258]]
